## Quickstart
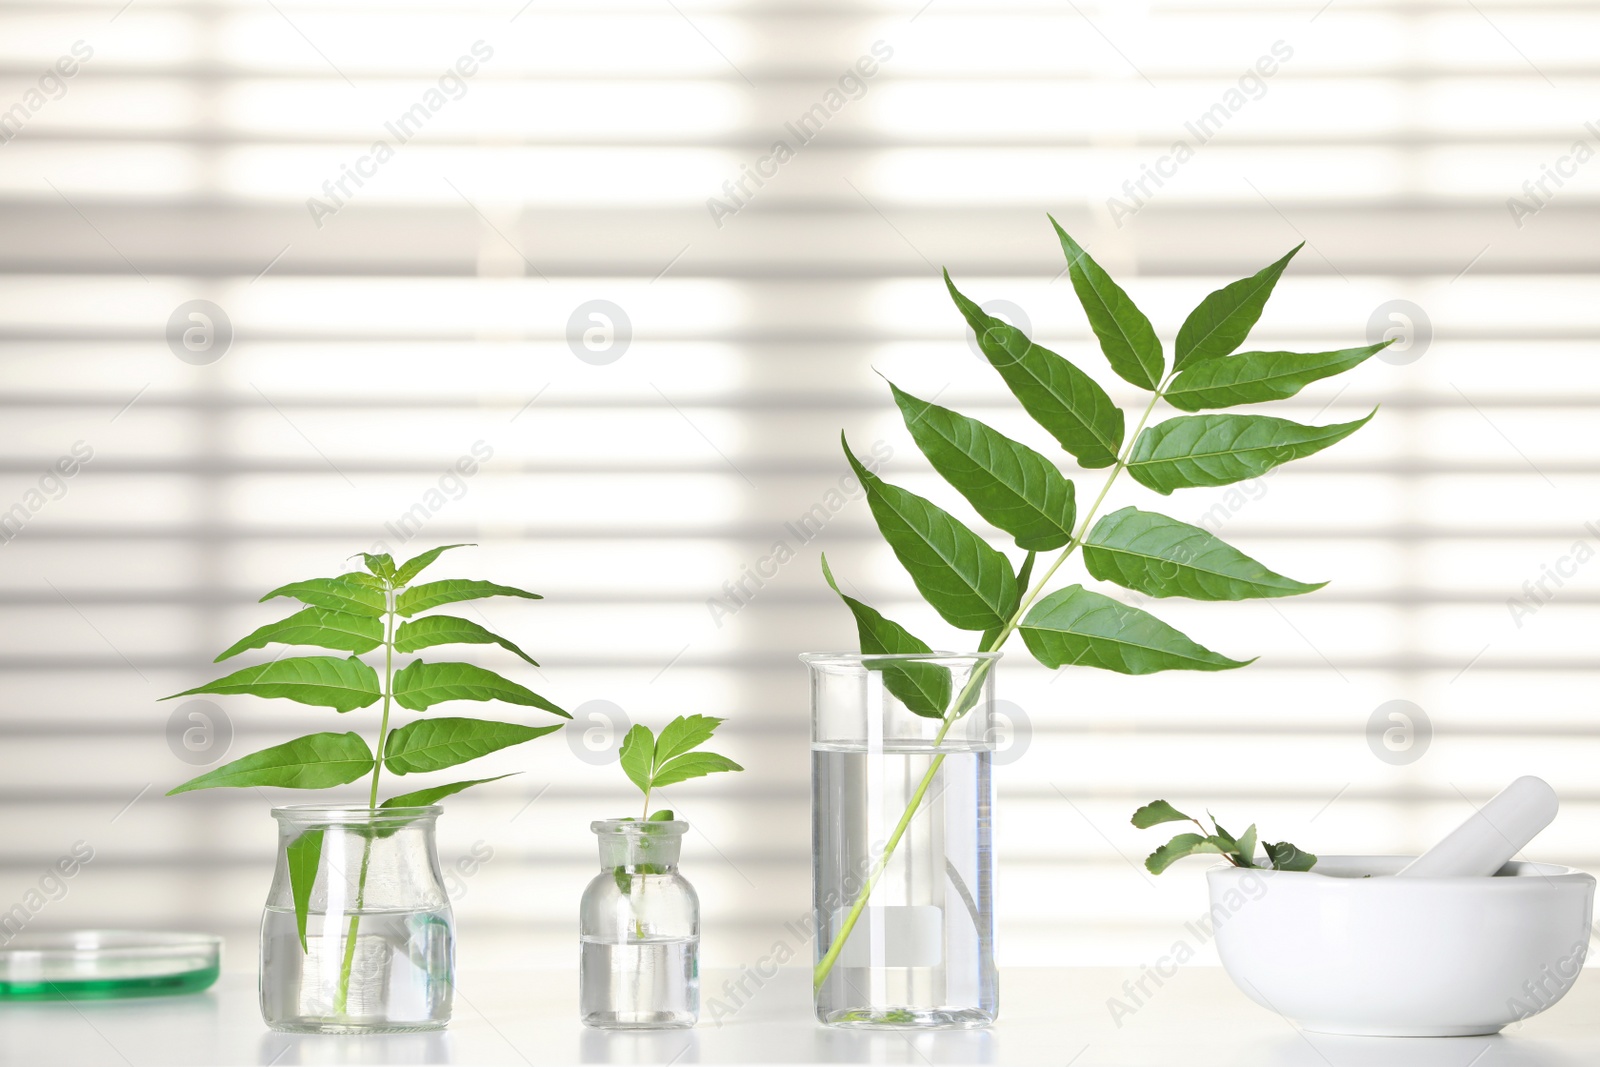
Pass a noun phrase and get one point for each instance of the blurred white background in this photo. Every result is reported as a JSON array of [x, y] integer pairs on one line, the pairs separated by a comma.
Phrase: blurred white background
[[381, 335]]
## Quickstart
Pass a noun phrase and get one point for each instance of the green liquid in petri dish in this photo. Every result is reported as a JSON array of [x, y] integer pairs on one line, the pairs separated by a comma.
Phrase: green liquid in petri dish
[[110, 988], [107, 965]]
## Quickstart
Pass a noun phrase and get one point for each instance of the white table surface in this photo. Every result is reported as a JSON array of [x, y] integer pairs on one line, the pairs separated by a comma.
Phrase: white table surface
[[1048, 1016]]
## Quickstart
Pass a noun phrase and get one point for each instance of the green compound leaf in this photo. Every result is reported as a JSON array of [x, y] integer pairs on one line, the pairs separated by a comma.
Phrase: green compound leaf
[[355, 593], [1224, 318], [958, 574], [691, 765], [637, 755], [1126, 336], [1005, 481], [1179, 847], [434, 744], [1068, 403], [415, 566], [321, 627], [433, 630], [325, 681], [1257, 377], [434, 594], [924, 688], [315, 761], [420, 686], [1075, 626], [1205, 450], [1157, 812], [1286, 857], [433, 794], [304, 856], [651, 762], [1161, 557]]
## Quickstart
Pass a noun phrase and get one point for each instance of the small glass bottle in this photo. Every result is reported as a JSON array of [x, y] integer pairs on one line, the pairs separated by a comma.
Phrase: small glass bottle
[[639, 931], [379, 949]]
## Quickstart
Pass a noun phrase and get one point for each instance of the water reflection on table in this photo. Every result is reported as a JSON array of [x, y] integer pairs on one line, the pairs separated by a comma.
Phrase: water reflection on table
[[639, 1046], [365, 1050]]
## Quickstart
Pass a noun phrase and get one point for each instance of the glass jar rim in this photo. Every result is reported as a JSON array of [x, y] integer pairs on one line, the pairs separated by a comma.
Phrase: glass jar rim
[[640, 827], [353, 814], [847, 659]]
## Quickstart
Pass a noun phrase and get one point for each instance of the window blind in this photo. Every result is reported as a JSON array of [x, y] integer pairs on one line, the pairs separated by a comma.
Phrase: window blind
[[288, 280]]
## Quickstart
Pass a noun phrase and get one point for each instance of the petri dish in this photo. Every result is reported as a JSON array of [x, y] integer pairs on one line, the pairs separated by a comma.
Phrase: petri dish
[[107, 965]]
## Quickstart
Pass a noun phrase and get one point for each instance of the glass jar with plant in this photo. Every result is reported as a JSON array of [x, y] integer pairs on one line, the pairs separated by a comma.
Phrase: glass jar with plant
[[358, 935], [901, 769], [639, 921]]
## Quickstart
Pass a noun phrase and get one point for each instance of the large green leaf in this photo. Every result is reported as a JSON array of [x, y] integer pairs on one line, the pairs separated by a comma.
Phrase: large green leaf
[[304, 856], [637, 755], [691, 765], [358, 594], [420, 686], [433, 794], [415, 565], [924, 688], [326, 681], [683, 733], [321, 627], [1200, 450], [1007, 482], [433, 630], [433, 594], [1076, 626], [1068, 403], [315, 761], [434, 744], [1161, 557], [1126, 336], [1224, 318], [967, 582], [1256, 377]]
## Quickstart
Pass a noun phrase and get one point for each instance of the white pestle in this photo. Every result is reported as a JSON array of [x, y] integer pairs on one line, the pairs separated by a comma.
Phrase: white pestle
[[1491, 836]]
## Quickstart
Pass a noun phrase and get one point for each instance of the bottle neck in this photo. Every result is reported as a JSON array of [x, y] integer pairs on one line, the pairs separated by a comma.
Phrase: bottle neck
[[643, 867], [639, 847]]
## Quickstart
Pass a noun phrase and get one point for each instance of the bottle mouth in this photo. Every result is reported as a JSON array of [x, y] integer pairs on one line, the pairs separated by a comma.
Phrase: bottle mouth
[[640, 827], [354, 815], [870, 660]]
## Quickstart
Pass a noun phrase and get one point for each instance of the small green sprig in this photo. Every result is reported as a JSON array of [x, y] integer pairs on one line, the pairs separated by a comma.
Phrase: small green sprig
[[378, 612], [652, 762], [1240, 851]]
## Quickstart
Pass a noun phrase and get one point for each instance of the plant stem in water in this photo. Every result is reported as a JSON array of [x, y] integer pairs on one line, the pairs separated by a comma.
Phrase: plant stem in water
[[342, 998], [963, 703]]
